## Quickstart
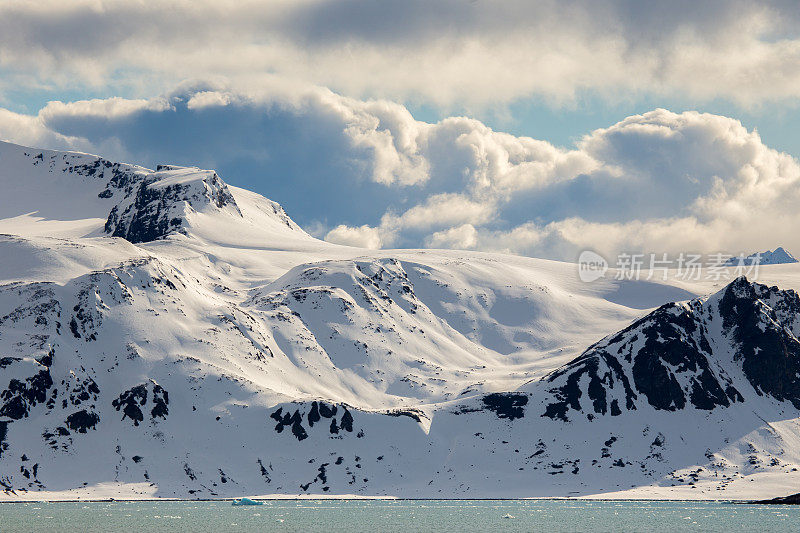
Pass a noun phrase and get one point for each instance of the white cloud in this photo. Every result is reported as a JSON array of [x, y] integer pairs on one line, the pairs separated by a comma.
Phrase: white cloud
[[31, 131], [441, 210], [448, 52], [108, 108], [361, 237], [656, 182], [208, 99], [461, 237]]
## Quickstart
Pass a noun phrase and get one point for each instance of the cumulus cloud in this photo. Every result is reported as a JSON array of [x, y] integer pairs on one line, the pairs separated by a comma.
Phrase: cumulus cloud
[[108, 108], [28, 130], [366, 173], [441, 210], [657, 182], [460, 237], [448, 52], [361, 237]]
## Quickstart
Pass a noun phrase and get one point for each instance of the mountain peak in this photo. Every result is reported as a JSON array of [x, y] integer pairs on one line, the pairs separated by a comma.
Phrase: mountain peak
[[701, 354], [163, 201], [778, 256], [779, 252], [76, 195]]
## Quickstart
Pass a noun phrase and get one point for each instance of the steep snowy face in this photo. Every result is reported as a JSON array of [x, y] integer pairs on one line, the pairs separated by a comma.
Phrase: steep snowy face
[[762, 324], [704, 354], [60, 193], [163, 201]]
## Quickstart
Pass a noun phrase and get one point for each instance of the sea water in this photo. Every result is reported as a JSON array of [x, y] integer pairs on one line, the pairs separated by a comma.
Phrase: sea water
[[398, 515]]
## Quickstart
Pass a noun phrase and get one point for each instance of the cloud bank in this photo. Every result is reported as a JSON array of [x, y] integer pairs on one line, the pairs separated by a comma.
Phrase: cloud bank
[[366, 173], [450, 52]]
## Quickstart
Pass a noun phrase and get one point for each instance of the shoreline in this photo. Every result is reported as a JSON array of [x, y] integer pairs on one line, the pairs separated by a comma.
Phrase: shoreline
[[374, 498]]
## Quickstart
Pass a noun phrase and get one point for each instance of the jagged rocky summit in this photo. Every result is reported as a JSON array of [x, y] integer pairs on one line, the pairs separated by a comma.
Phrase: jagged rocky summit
[[696, 354]]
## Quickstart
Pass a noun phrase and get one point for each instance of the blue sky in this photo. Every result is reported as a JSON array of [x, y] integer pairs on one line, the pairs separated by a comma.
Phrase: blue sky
[[540, 128]]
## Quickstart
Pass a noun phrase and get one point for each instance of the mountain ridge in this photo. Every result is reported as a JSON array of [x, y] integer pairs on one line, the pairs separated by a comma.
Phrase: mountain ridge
[[778, 256], [231, 353]]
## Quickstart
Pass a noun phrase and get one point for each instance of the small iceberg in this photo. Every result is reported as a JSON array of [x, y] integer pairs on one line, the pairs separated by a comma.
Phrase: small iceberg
[[246, 501]]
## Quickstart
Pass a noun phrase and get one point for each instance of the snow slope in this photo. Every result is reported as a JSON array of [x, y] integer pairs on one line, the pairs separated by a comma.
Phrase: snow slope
[[163, 334]]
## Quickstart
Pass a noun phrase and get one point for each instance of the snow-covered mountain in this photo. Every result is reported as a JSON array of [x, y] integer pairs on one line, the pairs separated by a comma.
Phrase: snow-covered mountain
[[165, 334], [778, 256]]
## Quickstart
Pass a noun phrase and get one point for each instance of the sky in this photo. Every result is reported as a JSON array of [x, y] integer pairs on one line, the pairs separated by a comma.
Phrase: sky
[[540, 128]]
